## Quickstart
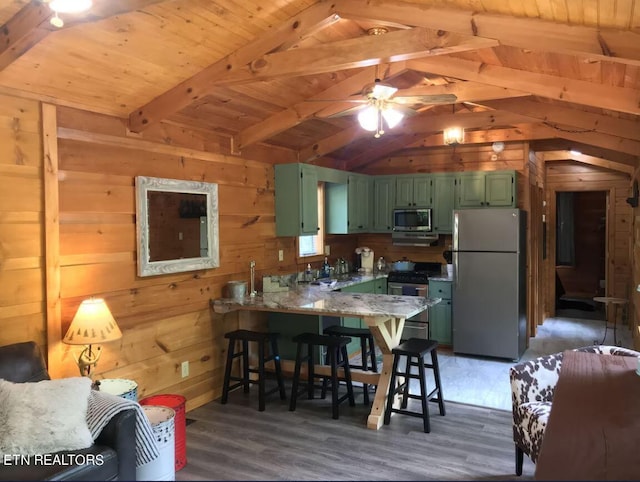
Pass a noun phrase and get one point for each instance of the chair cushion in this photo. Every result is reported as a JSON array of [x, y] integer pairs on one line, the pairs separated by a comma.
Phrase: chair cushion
[[44, 417], [529, 421]]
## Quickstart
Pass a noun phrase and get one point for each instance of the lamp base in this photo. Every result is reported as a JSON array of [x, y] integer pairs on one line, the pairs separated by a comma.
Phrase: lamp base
[[87, 359]]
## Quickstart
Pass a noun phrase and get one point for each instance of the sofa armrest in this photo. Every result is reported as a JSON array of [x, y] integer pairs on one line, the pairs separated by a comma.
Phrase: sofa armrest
[[120, 434]]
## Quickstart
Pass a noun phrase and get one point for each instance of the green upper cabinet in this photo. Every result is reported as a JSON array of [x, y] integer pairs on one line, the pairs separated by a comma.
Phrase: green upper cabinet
[[486, 189], [413, 191], [359, 203], [500, 189], [296, 192], [384, 191], [444, 195], [348, 206]]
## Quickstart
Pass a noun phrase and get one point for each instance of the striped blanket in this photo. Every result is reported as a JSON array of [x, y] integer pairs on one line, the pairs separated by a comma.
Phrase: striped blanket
[[103, 406]]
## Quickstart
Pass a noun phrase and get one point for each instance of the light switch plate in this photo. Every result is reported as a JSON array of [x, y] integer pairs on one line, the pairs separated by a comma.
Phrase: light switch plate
[[185, 369], [327, 250], [280, 255]]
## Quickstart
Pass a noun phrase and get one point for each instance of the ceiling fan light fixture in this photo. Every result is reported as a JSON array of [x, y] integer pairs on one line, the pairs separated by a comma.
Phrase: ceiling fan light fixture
[[368, 118], [382, 91], [392, 117], [453, 136], [70, 6]]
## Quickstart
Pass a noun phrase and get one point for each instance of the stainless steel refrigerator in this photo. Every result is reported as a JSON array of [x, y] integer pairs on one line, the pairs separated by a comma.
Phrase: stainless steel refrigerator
[[489, 286]]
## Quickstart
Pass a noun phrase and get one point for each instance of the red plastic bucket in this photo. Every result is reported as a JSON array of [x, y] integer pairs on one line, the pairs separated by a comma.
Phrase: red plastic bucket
[[177, 403]]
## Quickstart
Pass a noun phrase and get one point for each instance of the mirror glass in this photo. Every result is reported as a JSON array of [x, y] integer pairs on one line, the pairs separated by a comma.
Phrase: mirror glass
[[177, 225]]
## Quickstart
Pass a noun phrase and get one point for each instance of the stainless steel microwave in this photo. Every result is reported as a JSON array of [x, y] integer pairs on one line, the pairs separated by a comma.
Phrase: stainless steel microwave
[[412, 220]]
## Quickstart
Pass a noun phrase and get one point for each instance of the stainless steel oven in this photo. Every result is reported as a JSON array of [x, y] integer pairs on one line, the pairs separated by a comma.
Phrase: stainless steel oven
[[416, 326]]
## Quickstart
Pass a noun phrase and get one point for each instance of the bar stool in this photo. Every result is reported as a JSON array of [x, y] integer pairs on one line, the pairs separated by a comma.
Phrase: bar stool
[[366, 338], [246, 336], [338, 358], [415, 349]]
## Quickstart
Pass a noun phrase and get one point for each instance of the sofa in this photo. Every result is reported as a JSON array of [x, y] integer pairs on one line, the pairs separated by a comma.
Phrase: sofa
[[114, 447]]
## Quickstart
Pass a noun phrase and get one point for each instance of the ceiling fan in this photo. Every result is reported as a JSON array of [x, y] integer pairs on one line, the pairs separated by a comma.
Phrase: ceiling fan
[[379, 106]]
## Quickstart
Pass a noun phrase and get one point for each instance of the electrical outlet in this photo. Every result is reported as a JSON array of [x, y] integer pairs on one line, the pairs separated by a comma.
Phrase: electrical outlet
[[327, 250], [280, 255], [185, 369]]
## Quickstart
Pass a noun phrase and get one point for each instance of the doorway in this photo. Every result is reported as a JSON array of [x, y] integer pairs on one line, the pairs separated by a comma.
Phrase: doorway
[[581, 237]]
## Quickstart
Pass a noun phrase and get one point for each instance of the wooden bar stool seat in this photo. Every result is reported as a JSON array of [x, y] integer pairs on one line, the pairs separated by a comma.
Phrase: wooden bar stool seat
[[367, 350], [263, 340], [338, 358], [414, 350]]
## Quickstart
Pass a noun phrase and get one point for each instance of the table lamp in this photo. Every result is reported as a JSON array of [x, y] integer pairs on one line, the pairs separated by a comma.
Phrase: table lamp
[[93, 323]]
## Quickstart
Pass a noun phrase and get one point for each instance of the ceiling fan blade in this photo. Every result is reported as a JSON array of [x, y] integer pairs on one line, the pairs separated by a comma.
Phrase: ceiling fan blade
[[327, 114], [425, 99], [346, 100]]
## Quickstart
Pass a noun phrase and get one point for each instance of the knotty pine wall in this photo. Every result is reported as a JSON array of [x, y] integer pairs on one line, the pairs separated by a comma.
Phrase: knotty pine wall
[[91, 251], [22, 251]]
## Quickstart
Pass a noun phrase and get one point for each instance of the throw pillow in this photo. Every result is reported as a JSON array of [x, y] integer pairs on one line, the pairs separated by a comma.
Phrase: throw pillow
[[44, 417]]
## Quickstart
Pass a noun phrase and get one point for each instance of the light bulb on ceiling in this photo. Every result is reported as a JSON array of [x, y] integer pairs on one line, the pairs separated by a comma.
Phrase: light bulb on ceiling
[[70, 6], [56, 21], [368, 118], [392, 117]]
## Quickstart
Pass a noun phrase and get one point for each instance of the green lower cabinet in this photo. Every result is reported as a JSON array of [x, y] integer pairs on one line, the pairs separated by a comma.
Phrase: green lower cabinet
[[440, 322], [366, 287], [380, 286], [289, 325], [440, 314]]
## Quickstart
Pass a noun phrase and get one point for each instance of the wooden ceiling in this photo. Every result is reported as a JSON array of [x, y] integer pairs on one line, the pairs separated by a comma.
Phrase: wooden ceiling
[[561, 73]]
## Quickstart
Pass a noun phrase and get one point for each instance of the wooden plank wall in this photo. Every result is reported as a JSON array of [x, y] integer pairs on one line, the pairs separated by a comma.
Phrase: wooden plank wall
[[165, 319], [573, 176], [635, 277], [22, 282]]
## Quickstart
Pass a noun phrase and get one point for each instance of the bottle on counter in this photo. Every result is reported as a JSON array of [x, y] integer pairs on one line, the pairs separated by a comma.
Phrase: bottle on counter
[[382, 265], [325, 272], [308, 275]]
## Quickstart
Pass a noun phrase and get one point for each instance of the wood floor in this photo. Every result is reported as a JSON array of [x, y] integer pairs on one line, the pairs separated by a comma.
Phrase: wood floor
[[236, 442]]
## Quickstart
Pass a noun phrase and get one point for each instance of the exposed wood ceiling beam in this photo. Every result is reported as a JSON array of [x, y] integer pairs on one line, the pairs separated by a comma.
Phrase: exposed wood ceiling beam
[[604, 141], [22, 31], [561, 88], [604, 44], [31, 24], [419, 124], [363, 51], [200, 84], [418, 140], [297, 113], [585, 159], [556, 114]]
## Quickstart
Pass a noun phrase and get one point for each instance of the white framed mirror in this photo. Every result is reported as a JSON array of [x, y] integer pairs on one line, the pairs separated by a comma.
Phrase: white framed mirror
[[176, 225]]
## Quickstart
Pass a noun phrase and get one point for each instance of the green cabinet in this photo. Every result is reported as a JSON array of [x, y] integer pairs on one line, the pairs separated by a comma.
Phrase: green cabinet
[[289, 325], [296, 200], [359, 202], [440, 314], [347, 206], [413, 191], [384, 191], [444, 196], [366, 287], [380, 286], [486, 189]]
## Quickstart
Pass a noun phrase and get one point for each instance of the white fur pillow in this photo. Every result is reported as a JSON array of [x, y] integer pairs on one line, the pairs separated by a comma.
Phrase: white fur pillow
[[44, 417]]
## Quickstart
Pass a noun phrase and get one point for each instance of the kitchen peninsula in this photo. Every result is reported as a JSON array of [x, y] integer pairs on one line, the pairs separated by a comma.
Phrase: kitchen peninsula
[[383, 314]]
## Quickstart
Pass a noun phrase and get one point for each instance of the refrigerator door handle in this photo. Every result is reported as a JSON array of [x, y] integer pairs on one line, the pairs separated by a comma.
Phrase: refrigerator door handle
[[456, 278]]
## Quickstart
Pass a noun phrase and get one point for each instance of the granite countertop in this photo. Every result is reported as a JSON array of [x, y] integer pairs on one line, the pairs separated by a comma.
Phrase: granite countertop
[[322, 300], [442, 277]]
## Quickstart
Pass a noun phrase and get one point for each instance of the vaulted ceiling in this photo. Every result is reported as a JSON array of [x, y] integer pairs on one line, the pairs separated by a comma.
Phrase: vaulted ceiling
[[562, 74]]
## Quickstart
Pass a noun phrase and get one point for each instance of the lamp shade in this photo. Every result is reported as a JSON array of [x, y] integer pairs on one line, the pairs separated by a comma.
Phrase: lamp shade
[[92, 323], [453, 135]]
